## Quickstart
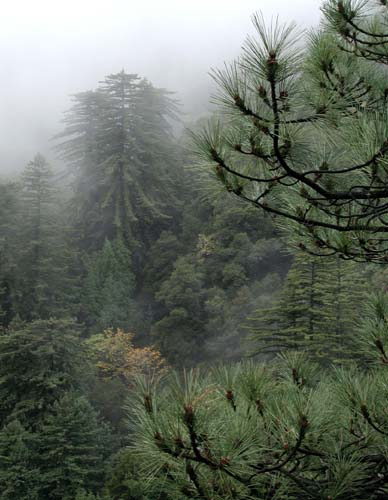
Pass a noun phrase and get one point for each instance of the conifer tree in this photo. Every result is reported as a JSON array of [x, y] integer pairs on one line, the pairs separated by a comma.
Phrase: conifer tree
[[72, 450], [44, 286], [347, 291], [19, 470], [296, 322], [81, 146], [6, 311], [304, 129], [119, 139], [51, 443], [9, 210], [125, 481], [315, 311], [286, 431], [257, 431], [107, 295], [180, 333], [38, 363]]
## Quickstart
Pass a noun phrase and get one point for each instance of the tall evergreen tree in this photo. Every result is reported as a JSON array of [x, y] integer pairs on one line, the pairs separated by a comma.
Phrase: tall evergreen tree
[[38, 364], [81, 145], [107, 295], [347, 290], [51, 443], [315, 311], [19, 470], [6, 311], [73, 448], [9, 210], [120, 140], [180, 332], [44, 287]]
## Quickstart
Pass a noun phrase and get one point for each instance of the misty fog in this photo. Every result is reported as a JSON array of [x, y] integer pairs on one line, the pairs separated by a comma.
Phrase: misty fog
[[50, 50]]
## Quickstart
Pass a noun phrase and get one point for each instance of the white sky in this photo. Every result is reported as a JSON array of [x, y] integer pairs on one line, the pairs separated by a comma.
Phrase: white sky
[[50, 49]]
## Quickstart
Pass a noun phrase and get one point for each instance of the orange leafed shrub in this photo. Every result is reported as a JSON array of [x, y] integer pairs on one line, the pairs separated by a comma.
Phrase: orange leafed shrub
[[116, 356]]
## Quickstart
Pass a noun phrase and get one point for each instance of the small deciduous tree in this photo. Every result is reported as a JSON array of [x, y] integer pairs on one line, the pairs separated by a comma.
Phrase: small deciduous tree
[[117, 362], [115, 356]]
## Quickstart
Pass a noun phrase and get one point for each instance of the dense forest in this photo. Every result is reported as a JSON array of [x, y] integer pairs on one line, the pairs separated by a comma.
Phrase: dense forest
[[201, 311]]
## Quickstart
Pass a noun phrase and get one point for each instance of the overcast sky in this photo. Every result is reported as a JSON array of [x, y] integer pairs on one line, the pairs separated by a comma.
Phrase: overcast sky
[[50, 49]]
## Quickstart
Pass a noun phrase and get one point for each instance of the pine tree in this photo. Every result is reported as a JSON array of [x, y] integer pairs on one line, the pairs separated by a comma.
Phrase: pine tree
[[180, 332], [120, 141], [303, 134], [9, 210], [107, 295], [348, 289], [296, 320], [19, 472], [315, 311], [81, 146], [38, 363], [288, 431], [44, 286], [256, 431], [72, 450], [51, 443], [125, 481]]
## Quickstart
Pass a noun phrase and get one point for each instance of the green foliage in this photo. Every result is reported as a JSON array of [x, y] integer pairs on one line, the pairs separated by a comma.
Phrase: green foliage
[[138, 248], [108, 289], [372, 333], [126, 481], [232, 265], [74, 446], [6, 311], [51, 442], [44, 288], [303, 130], [160, 260], [66, 451], [305, 139], [108, 398], [85, 495], [19, 472], [38, 363], [181, 330], [255, 431], [118, 141], [9, 209], [316, 311]]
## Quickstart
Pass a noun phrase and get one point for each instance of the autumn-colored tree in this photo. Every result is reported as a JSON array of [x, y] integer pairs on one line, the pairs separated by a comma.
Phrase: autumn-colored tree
[[115, 356]]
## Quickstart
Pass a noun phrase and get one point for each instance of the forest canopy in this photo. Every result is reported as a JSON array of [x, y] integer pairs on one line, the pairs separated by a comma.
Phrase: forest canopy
[[198, 314]]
